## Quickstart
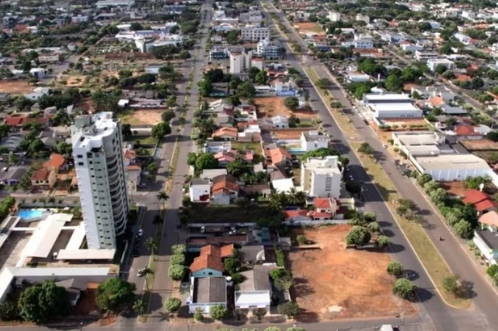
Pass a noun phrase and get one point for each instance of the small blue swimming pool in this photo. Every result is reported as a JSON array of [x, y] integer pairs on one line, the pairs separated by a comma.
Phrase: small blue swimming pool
[[30, 213]]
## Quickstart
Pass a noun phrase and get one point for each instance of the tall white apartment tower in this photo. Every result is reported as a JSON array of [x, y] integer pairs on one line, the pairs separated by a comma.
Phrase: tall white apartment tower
[[98, 158]]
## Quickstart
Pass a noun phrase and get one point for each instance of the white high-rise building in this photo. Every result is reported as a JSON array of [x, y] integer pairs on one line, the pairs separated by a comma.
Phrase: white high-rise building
[[98, 158], [321, 177], [236, 63]]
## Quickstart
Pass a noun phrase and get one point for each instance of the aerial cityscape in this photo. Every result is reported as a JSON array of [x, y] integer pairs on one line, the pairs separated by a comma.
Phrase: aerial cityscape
[[254, 165]]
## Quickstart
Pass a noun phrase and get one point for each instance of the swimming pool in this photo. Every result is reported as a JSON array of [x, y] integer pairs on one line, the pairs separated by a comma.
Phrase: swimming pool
[[26, 214]]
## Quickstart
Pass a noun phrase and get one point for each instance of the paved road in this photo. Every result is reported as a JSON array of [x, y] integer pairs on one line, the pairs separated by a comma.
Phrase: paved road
[[482, 315]]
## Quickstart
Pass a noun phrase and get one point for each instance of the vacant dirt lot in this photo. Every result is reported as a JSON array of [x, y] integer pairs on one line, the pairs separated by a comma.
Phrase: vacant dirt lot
[[310, 27], [288, 134], [141, 117], [480, 145], [273, 106], [458, 188], [15, 86], [333, 282]]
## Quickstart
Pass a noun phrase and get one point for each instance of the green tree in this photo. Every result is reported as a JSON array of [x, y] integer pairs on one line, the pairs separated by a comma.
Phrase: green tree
[[440, 69], [176, 272], [184, 55], [178, 249], [365, 148], [9, 311], [206, 161], [177, 259], [322, 83], [232, 265], [283, 283], [357, 236], [288, 309], [452, 285], [246, 90], [160, 130], [301, 239], [172, 305], [492, 270], [438, 195], [139, 307], [292, 103], [152, 245], [373, 227], [394, 83], [464, 229], [404, 288], [198, 316], [381, 241], [477, 82], [218, 312], [320, 152], [41, 303], [115, 294], [261, 77], [423, 179], [168, 116], [395, 269], [205, 87]]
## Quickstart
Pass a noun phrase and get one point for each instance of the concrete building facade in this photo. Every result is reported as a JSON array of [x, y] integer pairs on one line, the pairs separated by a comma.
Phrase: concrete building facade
[[321, 177], [98, 158]]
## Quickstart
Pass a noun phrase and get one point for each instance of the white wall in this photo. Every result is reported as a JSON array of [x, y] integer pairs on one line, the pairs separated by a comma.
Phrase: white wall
[[447, 175], [198, 190]]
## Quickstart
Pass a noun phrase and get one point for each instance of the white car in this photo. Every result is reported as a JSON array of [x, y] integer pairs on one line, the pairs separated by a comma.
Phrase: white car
[[140, 232]]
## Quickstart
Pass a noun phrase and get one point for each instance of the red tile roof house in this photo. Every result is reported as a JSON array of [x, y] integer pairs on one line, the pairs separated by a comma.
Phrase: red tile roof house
[[465, 131], [224, 190], [226, 133], [480, 200], [325, 210], [14, 123], [224, 158], [210, 262]]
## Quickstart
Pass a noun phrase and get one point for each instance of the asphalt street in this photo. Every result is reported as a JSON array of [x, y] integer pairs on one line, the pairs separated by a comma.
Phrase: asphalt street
[[481, 316]]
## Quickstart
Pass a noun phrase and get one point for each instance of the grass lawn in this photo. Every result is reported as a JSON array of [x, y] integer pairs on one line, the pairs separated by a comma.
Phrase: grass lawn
[[254, 146], [144, 140], [231, 213], [342, 120], [428, 254]]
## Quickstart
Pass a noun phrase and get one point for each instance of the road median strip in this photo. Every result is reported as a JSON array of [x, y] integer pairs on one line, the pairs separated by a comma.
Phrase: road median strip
[[430, 258], [342, 120]]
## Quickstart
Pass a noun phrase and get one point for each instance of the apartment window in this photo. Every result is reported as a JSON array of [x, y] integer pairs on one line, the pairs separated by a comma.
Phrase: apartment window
[[90, 162], [80, 163], [80, 156]]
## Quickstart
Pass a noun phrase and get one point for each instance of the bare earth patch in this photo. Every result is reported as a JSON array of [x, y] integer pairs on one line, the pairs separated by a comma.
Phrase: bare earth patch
[[288, 134], [15, 86], [480, 145], [274, 106], [335, 283], [141, 117], [310, 27]]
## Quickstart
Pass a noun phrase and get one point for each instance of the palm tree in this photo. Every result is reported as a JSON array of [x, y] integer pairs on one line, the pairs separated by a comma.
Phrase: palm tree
[[292, 197], [162, 197], [275, 201], [147, 271], [139, 307], [152, 245]]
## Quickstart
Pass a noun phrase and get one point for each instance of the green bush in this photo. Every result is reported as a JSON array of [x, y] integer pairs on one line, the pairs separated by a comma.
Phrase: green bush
[[280, 257], [218, 312], [492, 270], [172, 305], [302, 240], [178, 249], [178, 259], [176, 272]]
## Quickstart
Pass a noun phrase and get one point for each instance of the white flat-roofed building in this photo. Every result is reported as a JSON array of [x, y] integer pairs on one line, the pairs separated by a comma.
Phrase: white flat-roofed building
[[392, 105], [114, 3], [433, 63], [98, 159], [321, 177], [452, 167], [312, 140], [254, 33], [420, 143]]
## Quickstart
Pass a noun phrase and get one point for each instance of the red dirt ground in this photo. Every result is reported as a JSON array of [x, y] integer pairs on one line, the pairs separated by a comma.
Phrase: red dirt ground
[[273, 106], [15, 86], [336, 282], [310, 27], [480, 145]]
